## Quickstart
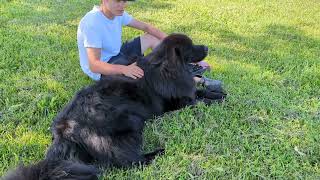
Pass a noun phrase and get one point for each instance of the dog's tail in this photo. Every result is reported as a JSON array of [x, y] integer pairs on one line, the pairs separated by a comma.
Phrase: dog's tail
[[54, 170]]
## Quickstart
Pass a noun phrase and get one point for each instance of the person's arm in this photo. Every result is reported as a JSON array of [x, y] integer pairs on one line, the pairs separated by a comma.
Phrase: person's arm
[[147, 28], [97, 66]]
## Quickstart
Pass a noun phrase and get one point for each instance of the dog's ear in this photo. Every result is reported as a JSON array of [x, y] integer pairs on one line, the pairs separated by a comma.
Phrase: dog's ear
[[177, 51], [167, 53], [174, 55], [158, 54]]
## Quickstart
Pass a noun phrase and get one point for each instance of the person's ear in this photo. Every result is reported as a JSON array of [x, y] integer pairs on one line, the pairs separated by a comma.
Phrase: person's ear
[[104, 1]]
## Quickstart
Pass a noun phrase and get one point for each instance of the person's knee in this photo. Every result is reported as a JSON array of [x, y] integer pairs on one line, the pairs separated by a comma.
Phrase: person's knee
[[148, 41]]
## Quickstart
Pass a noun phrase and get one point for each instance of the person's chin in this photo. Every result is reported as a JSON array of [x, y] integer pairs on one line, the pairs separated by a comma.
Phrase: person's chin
[[120, 13]]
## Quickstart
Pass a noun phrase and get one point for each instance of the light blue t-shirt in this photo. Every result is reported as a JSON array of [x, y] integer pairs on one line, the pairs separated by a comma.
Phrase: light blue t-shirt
[[95, 30]]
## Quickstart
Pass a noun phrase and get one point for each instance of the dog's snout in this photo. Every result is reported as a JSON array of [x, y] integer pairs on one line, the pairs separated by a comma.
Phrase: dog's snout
[[206, 49]]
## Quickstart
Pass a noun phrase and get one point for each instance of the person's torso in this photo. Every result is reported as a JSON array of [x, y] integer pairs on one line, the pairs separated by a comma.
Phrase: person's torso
[[109, 32]]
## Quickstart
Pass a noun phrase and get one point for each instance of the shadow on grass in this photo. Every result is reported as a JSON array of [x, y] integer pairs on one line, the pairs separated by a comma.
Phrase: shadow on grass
[[39, 13], [286, 51], [279, 48], [60, 12]]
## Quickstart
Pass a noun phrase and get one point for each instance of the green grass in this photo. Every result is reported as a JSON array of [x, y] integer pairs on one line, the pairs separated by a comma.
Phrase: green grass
[[267, 53]]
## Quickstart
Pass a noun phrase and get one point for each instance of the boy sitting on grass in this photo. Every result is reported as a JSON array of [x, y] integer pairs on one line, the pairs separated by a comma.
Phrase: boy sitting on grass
[[101, 51]]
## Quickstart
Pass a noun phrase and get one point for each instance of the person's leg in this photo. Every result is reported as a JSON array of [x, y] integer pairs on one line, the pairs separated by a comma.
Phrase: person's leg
[[129, 52], [148, 41], [135, 48]]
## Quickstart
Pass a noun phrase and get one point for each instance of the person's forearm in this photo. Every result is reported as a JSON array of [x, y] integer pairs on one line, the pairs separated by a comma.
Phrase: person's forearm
[[106, 68]]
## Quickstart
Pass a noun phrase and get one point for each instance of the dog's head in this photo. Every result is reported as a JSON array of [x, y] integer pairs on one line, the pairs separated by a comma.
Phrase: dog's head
[[178, 48], [165, 67]]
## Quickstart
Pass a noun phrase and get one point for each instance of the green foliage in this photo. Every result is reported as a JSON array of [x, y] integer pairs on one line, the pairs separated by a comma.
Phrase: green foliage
[[266, 53]]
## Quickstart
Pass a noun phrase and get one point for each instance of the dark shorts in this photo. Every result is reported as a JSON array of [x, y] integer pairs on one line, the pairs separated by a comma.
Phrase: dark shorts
[[129, 52]]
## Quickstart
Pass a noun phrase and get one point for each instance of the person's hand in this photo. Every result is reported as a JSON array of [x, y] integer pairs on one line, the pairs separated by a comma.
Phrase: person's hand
[[132, 71]]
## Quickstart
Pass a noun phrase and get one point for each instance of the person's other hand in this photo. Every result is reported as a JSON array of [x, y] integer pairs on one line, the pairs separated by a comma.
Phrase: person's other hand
[[132, 71]]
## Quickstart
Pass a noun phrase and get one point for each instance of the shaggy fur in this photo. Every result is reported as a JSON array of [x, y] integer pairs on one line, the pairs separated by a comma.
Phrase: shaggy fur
[[102, 126]]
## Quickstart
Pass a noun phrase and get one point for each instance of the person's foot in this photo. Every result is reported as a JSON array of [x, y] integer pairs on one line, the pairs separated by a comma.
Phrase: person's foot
[[204, 65], [211, 84], [196, 69]]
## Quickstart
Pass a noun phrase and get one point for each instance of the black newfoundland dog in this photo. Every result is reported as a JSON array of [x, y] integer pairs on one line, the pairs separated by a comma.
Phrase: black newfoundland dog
[[102, 126]]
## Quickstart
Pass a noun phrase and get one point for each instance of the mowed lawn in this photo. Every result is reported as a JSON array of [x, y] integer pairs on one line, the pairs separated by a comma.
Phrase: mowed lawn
[[267, 53]]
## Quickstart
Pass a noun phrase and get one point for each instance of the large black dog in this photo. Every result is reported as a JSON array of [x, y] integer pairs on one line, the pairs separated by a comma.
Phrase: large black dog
[[102, 126]]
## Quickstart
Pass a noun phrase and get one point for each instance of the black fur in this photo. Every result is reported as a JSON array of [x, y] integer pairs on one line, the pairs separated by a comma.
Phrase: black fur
[[103, 124], [54, 170]]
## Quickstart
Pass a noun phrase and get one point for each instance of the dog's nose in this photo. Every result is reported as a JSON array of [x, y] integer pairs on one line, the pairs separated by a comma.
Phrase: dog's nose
[[206, 49]]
